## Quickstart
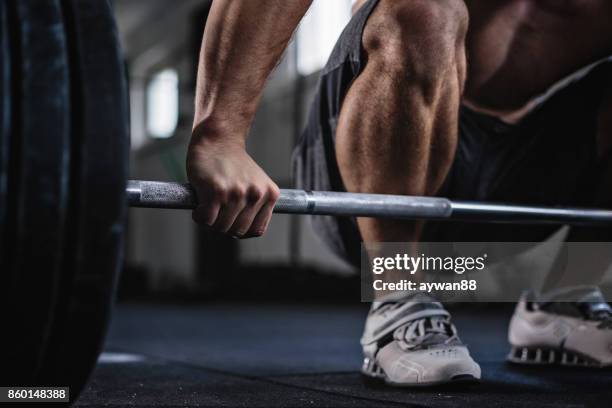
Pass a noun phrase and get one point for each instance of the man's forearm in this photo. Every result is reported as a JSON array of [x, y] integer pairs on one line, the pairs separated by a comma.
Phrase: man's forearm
[[243, 42]]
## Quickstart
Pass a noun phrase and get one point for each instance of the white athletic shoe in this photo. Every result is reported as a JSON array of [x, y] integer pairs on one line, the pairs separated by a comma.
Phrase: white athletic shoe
[[545, 331], [413, 343]]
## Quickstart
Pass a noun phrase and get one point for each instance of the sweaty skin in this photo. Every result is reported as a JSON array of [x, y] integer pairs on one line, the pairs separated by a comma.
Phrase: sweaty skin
[[493, 55]]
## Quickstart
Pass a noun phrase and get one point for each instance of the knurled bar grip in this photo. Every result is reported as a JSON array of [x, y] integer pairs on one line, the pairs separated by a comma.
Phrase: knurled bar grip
[[149, 194]]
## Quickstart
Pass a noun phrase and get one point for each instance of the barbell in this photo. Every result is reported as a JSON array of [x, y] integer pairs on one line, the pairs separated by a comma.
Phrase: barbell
[[64, 194], [152, 194]]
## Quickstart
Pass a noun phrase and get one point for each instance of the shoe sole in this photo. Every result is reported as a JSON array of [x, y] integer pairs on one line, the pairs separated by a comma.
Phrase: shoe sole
[[372, 372], [551, 356]]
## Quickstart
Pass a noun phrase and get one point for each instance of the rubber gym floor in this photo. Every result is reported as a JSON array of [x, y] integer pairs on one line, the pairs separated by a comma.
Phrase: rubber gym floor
[[295, 355]]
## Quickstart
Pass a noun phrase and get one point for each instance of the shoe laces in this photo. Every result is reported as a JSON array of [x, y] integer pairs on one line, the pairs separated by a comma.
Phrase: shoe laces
[[590, 305], [426, 332], [598, 312], [387, 307]]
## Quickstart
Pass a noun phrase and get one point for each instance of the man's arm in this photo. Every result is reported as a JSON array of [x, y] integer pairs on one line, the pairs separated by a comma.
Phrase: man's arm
[[243, 42]]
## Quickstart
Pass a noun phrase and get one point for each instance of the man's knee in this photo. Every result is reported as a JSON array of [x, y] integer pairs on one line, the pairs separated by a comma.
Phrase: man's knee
[[421, 35]]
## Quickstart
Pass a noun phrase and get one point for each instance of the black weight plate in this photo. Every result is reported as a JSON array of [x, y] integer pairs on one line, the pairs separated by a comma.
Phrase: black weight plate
[[5, 127], [99, 173], [39, 173]]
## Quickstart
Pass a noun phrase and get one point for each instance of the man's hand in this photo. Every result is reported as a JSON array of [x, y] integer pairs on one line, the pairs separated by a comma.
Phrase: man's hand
[[242, 44], [236, 196]]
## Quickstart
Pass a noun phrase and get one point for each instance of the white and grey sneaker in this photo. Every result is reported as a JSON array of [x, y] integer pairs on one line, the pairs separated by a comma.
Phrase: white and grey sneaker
[[413, 343], [544, 330]]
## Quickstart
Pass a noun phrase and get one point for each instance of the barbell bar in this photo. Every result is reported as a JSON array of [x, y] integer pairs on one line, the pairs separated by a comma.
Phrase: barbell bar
[[151, 194]]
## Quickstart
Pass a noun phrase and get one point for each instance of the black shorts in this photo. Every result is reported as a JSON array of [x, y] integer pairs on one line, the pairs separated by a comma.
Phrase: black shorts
[[549, 158]]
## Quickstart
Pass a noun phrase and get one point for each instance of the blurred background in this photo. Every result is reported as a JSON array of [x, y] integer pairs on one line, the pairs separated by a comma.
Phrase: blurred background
[[167, 254]]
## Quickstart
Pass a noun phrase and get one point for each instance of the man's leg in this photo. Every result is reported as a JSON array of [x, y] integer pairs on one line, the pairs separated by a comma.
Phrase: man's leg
[[570, 322], [589, 267], [397, 132]]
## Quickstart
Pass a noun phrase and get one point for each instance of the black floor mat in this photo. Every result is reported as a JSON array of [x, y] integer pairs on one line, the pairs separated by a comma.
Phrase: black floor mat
[[297, 355]]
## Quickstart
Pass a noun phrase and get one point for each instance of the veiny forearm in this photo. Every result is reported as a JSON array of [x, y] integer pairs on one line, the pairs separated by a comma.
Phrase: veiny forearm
[[243, 42]]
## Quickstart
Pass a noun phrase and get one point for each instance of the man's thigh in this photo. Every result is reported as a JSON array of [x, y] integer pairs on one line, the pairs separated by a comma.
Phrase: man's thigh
[[550, 158]]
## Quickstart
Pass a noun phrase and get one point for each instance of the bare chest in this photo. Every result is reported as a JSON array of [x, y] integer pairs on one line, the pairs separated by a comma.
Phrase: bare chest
[[517, 49]]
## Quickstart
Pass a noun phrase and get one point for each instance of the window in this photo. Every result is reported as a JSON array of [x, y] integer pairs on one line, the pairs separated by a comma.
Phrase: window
[[162, 104], [319, 32]]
